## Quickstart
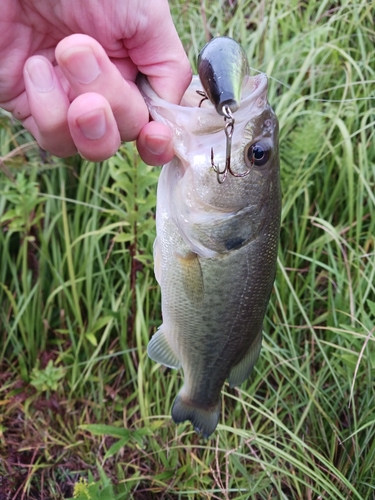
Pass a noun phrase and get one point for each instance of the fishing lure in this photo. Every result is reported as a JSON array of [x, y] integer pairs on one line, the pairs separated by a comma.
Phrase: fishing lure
[[222, 67]]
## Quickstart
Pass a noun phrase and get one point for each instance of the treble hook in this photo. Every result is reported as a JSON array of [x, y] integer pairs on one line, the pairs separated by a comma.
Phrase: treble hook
[[203, 95], [229, 128]]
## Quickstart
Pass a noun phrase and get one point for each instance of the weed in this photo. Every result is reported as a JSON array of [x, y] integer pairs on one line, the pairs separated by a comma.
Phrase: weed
[[78, 300]]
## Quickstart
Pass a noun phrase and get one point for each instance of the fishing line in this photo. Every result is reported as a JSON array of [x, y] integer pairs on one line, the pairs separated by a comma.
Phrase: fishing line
[[314, 99]]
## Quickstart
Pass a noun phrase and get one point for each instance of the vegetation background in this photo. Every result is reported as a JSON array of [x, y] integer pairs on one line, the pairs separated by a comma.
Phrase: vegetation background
[[83, 410]]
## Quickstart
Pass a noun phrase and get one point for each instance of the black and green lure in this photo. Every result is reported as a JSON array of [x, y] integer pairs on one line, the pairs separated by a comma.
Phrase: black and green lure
[[222, 67]]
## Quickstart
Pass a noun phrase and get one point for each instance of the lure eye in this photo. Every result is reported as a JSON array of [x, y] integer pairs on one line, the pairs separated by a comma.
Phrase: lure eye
[[257, 155]]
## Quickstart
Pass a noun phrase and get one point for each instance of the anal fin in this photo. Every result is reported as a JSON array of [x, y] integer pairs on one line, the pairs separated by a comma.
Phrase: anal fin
[[240, 372], [157, 261], [160, 351]]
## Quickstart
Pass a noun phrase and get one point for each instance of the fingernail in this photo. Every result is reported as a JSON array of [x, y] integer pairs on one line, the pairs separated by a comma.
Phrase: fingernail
[[157, 144], [81, 64], [93, 124], [40, 73]]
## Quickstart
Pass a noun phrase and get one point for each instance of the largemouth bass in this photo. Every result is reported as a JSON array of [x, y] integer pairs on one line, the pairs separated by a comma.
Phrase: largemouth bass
[[216, 246]]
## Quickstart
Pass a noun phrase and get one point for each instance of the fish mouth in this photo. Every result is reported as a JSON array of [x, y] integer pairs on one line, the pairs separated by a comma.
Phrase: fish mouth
[[197, 127], [253, 87], [195, 107]]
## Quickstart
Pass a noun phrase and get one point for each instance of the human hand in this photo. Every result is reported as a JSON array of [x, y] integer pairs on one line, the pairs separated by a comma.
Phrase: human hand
[[67, 71]]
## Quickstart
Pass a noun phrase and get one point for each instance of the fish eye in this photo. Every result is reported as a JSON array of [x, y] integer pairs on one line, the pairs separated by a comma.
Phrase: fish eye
[[257, 154]]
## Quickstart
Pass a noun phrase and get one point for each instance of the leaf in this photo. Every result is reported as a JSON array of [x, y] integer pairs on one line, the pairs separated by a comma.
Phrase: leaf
[[116, 447], [106, 430], [91, 338], [10, 214], [371, 305], [101, 323], [124, 237]]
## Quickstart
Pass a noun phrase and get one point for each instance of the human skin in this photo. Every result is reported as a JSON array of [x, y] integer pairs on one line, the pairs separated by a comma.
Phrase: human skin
[[68, 70]]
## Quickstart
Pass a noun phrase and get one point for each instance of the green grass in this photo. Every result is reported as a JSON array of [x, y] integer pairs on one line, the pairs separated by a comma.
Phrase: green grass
[[79, 398]]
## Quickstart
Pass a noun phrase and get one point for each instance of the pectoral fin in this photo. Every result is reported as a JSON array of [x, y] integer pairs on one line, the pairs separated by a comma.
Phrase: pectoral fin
[[157, 261], [192, 277], [240, 372], [160, 351]]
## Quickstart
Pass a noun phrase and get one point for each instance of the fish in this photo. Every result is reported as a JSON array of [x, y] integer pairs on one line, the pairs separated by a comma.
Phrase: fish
[[216, 242]]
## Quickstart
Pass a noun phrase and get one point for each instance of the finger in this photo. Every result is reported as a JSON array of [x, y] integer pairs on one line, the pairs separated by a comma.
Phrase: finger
[[93, 127], [48, 104], [154, 144], [158, 53], [87, 68]]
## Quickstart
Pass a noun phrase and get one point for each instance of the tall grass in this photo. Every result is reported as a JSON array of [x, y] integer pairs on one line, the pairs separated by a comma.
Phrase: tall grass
[[79, 300]]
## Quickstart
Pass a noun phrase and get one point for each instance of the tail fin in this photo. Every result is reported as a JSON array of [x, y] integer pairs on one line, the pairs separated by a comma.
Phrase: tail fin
[[204, 420]]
